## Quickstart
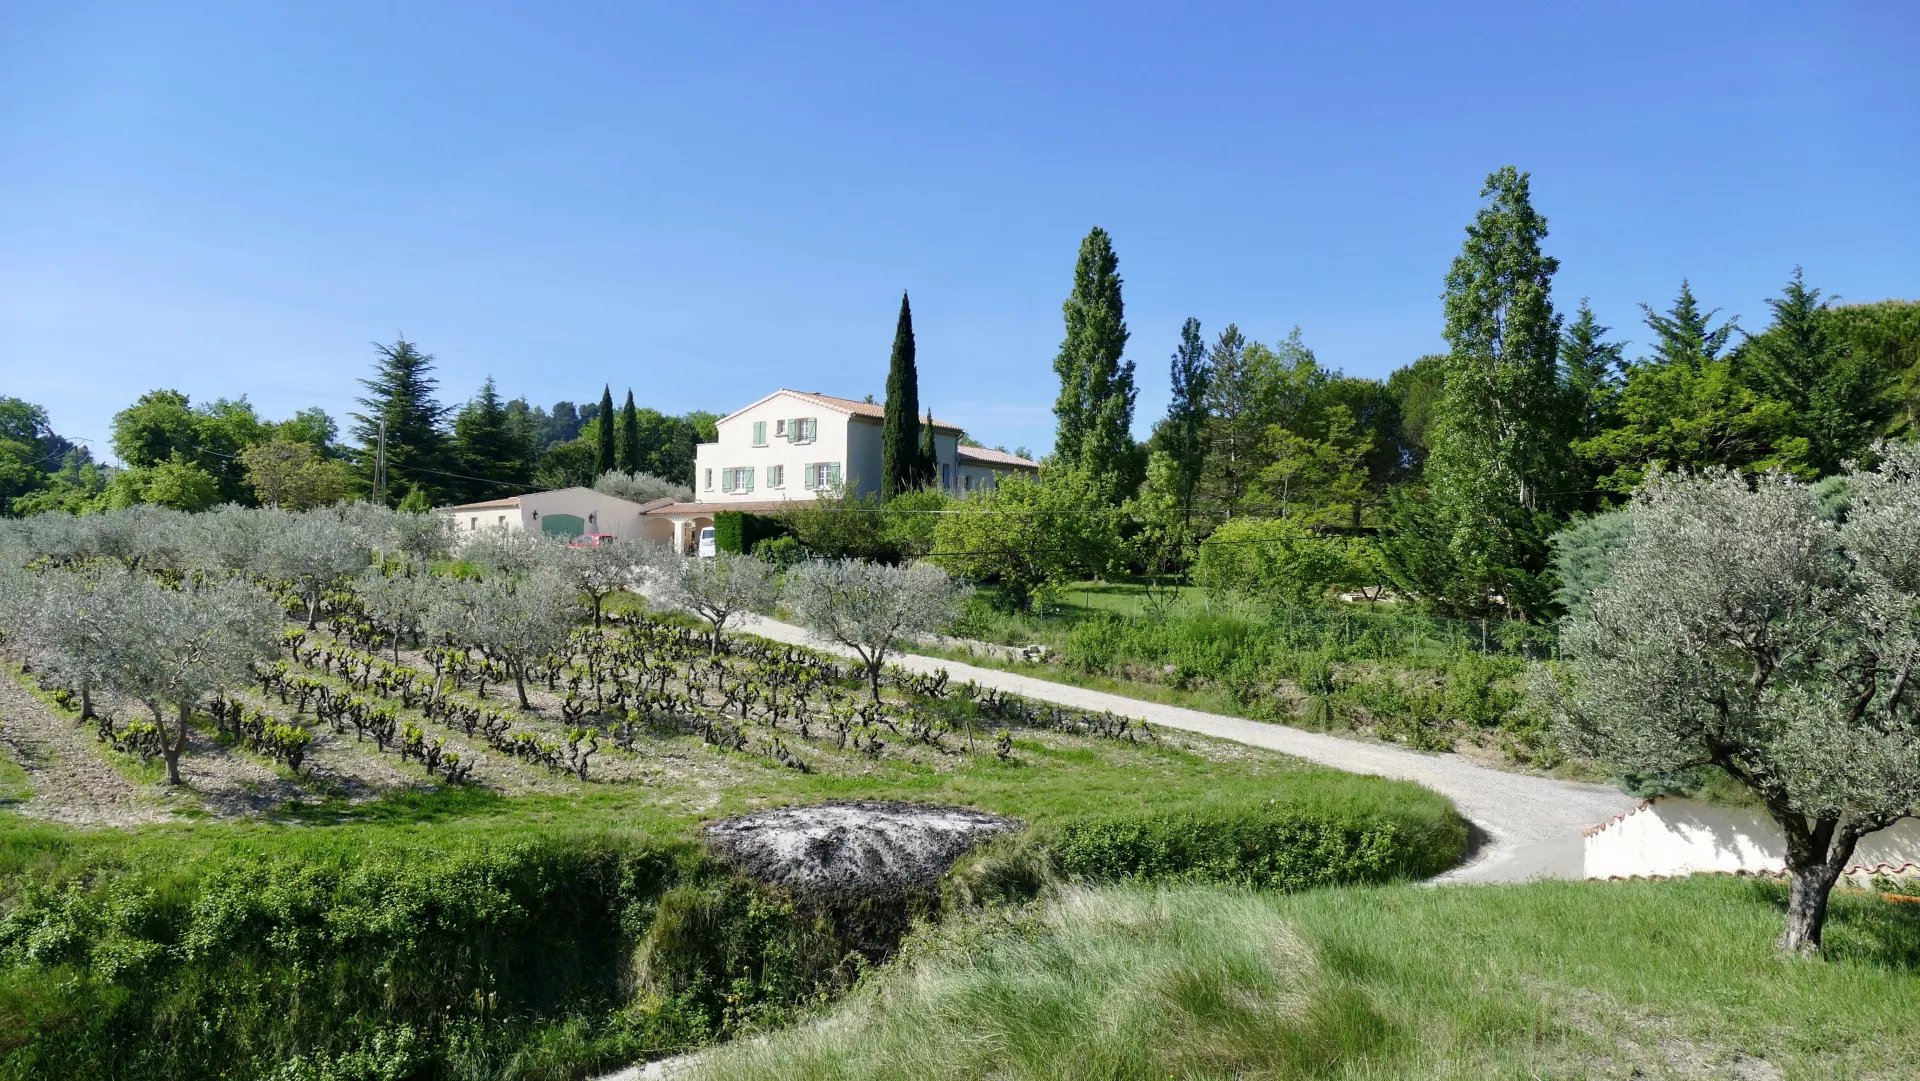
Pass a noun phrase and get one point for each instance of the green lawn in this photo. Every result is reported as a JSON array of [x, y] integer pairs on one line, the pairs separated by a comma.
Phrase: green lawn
[[1565, 980]]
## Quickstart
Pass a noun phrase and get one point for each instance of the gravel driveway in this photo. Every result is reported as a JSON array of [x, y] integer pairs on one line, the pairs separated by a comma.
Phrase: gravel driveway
[[1529, 826]]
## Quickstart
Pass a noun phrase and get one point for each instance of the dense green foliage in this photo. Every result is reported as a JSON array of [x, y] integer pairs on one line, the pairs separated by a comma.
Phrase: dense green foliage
[[902, 465], [740, 531], [1095, 406]]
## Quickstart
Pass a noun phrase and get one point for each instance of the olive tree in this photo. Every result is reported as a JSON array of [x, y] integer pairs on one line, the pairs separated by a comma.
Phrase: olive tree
[[171, 648], [716, 588], [872, 608], [65, 622], [599, 571], [1741, 627], [316, 552], [518, 621]]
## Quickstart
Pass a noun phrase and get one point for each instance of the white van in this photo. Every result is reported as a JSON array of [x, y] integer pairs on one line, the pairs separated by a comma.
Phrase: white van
[[706, 542]]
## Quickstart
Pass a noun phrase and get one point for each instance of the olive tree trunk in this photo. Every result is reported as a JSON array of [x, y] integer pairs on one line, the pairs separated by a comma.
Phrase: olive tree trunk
[[1817, 853], [172, 748]]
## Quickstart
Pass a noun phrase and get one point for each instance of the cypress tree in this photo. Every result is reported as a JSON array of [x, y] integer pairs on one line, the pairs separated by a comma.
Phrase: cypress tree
[[1095, 407], [929, 460], [401, 393], [605, 420], [901, 465], [629, 436]]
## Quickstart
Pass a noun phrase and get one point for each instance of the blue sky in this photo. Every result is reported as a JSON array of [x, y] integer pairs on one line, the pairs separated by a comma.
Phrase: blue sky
[[704, 201]]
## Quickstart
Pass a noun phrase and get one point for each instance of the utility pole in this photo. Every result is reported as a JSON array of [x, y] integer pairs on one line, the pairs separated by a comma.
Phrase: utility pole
[[380, 466]]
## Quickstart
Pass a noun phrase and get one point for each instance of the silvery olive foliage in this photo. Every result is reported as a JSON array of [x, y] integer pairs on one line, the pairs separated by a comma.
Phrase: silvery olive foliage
[[640, 487], [508, 551], [316, 552], [517, 620], [169, 649], [716, 589], [872, 608], [601, 570], [1743, 626]]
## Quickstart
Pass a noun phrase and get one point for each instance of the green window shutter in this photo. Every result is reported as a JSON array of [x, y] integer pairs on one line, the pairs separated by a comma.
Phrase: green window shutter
[[759, 433], [806, 476], [747, 474], [833, 474]]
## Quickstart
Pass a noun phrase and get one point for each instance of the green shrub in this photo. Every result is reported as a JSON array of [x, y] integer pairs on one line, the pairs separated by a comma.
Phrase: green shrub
[[360, 953], [780, 551], [740, 532], [1270, 847]]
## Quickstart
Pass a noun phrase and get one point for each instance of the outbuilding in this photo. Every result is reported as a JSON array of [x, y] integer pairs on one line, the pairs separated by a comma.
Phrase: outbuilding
[[563, 513]]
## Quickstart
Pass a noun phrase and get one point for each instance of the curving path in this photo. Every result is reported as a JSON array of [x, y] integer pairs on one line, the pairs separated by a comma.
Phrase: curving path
[[1529, 825]]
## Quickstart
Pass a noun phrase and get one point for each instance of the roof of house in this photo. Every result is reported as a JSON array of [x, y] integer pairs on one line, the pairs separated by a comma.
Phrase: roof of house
[[750, 506], [986, 456], [848, 406], [513, 501]]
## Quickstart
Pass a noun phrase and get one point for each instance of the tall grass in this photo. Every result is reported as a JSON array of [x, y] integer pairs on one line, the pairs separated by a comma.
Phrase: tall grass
[[1675, 979]]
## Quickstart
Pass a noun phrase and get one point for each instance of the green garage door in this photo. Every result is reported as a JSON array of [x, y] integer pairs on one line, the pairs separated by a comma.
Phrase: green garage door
[[566, 526]]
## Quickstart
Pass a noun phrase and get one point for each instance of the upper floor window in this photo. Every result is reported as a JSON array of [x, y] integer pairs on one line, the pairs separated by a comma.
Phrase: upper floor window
[[709, 480], [759, 433], [803, 429], [737, 479], [946, 475], [780, 429], [776, 476]]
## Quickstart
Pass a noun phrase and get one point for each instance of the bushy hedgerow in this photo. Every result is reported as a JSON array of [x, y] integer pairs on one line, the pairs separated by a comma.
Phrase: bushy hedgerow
[[367, 954]]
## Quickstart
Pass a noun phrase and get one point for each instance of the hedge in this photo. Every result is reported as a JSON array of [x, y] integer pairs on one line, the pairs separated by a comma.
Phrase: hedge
[[738, 531]]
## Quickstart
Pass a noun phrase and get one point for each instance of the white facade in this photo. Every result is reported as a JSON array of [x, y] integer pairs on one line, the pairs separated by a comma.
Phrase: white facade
[[1668, 837], [793, 445], [563, 512]]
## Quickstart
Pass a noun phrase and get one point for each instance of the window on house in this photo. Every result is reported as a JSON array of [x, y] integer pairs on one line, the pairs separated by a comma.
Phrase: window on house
[[502, 520], [966, 482], [709, 480], [803, 429], [776, 476], [737, 479], [759, 433], [946, 475], [821, 474], [780, 429], [473, 523]]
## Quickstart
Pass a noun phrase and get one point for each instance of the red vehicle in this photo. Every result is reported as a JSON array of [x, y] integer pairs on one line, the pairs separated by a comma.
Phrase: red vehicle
[[590, 540]]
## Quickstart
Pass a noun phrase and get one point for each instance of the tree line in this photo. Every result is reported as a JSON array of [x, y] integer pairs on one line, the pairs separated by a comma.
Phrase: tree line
[[190, 456]]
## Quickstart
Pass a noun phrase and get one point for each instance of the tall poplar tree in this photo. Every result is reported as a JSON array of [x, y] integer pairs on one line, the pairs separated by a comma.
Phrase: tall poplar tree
[[901, 467], [401, 393], [1498, 439], [1095, 407], [605, 431], [629, 436], [1184, 435]]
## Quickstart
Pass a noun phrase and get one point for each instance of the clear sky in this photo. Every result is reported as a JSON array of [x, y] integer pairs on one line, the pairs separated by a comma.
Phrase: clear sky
[[705, 201]]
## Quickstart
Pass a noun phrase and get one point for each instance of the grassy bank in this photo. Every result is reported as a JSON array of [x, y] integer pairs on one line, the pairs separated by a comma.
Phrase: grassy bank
[[1675, 979]]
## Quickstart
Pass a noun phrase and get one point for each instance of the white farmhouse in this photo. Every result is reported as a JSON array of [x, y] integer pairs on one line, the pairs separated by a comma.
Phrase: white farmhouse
[[794, 445], [564, 513]]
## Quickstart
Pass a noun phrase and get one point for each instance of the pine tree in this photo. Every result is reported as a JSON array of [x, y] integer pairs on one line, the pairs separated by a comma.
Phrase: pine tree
[[1686, 334], [401, 393], [1498, 431], [493, 457], [1239, 406], [928, 460], [1590, 377], [1185, 429], [1095, 407], [1837, 397], [629, 436], [605, 431], [902, 468]]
